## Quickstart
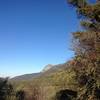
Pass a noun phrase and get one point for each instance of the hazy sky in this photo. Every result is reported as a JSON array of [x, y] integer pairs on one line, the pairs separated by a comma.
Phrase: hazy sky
[[34, 33]]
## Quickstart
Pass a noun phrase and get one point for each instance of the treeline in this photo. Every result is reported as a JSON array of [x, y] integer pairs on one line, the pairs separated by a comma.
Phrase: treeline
[[7, 91], [32, 92]]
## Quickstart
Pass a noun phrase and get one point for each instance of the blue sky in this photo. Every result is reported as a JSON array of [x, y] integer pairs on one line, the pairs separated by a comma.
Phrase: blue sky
[[34, 33]]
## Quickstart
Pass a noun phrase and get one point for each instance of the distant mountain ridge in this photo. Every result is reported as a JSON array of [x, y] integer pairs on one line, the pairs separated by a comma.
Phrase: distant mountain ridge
[[48, 69], [25, 77]]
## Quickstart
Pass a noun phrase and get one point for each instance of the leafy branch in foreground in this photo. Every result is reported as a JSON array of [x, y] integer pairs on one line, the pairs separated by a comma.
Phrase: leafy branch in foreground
[[87, 49]]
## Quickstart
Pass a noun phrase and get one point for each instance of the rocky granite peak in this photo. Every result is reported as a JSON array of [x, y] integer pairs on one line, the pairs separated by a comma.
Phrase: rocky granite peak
[[47, 67]]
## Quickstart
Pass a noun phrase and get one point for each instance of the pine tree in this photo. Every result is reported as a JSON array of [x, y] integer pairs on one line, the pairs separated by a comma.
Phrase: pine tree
[[88, 48]]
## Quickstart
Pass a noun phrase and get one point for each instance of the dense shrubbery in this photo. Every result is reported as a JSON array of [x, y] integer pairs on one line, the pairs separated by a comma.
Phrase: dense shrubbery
[[6, 89], [87, 50]]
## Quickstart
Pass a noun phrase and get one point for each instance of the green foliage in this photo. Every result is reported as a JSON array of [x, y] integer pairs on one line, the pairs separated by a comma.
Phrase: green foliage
[[6, 89], [20, 95], [87, 49]]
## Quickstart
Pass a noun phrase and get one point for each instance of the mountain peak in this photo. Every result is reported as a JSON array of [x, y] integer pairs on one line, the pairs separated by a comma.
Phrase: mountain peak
[[47, 67]]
